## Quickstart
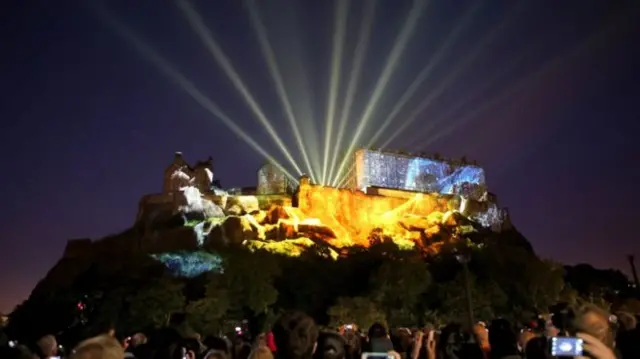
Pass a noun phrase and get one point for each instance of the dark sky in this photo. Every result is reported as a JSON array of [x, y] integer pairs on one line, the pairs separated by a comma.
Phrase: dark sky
[[542, 94]]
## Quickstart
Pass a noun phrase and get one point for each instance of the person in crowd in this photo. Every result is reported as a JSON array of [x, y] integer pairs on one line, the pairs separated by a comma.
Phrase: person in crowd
[[216, 354], [594, 321], [402, 341], [218, 344], [537, 348], [588, 322], [295, 335], [593, 325], [482, 334], [626, 321], [260, 341], [261, 352], [242, 350], [503, 340], [271, 342], [525, 336], [454, 343], [627, 336], [378, 340], [47, 346], [353, 346], [595, 348], [134, 344], [424, 344], [330, 346], [416, 350], [100, 347], [260, 349]]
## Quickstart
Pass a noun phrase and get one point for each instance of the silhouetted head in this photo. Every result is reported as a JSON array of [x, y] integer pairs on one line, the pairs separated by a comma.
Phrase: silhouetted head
[[330, 346], [100, 347], [503, 338], [295, 335]]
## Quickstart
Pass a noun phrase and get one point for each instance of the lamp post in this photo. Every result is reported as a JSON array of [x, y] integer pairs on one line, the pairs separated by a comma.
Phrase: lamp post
[[464, 260]]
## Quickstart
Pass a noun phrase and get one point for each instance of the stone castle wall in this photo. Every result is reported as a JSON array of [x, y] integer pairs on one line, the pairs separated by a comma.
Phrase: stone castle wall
[[354, 214], [358, 212]]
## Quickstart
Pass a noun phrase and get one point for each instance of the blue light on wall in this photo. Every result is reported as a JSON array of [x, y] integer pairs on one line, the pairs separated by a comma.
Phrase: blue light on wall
[[421, 174], [190, 264]]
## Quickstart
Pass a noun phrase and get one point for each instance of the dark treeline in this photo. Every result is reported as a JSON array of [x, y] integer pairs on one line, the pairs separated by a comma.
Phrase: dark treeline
[[380, 283]]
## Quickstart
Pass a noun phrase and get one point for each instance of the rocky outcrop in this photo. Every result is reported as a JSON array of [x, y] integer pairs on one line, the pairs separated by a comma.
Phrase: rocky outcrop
[[193, 206]]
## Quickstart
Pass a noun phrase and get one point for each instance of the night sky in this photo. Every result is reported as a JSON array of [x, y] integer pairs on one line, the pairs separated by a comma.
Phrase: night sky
[[543, 94]]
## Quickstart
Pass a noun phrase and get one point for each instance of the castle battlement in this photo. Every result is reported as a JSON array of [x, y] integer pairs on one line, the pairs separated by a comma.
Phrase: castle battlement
[[181, 174]]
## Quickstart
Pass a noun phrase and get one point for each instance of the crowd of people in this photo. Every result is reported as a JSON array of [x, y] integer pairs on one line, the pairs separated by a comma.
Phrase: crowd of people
[[587, 332]]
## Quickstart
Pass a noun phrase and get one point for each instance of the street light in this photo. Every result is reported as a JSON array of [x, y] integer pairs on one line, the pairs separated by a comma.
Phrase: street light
[[464, 258]]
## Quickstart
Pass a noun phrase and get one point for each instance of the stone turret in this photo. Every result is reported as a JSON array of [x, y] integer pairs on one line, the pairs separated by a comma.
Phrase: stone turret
[[203, 175], [180, 174], [177, 164]]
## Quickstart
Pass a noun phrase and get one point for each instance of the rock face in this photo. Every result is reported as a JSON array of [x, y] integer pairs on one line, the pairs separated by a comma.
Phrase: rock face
[[239, 205], [192, 204], [323, 217]]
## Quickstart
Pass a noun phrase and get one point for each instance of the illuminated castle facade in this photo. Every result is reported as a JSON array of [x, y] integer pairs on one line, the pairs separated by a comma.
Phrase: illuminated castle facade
[[416, 201], [397, 170], [399, 174], [177, 175]]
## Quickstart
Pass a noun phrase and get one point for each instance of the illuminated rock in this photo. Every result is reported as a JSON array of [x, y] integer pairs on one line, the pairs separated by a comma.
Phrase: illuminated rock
[[276, 213], [239, 205], [336, 218], [234, 229], [260, 216], [190, 202]]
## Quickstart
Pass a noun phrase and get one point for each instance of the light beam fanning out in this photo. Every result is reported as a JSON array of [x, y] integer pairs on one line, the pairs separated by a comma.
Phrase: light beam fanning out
[[342, 11], [261, 32], [451, 38], [459, 70], [168, 70], [364, 34], [390, 66], [195, 20]]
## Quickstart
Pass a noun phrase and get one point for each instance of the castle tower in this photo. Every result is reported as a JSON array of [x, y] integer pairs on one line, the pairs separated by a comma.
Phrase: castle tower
[[204, 175], [177, 164]]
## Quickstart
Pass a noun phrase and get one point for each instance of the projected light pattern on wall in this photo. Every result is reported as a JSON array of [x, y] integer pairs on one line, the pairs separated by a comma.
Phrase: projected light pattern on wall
[[489, 218], [390, 170], [271, 180], [190, 264]]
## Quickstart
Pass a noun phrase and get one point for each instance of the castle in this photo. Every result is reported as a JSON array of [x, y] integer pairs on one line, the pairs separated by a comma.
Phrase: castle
[[177, 175], [409, 198]]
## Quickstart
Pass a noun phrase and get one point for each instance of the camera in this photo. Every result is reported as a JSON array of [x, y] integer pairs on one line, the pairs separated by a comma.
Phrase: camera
[[376, 356], [566, 347]]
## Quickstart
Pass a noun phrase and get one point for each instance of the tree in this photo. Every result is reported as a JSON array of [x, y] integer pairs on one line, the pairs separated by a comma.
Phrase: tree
[[358, 310], [205, 315], [543, 283], [487, 299], [153, 304], [397, 287], [42, 314], [532, 284], [248, 280]]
